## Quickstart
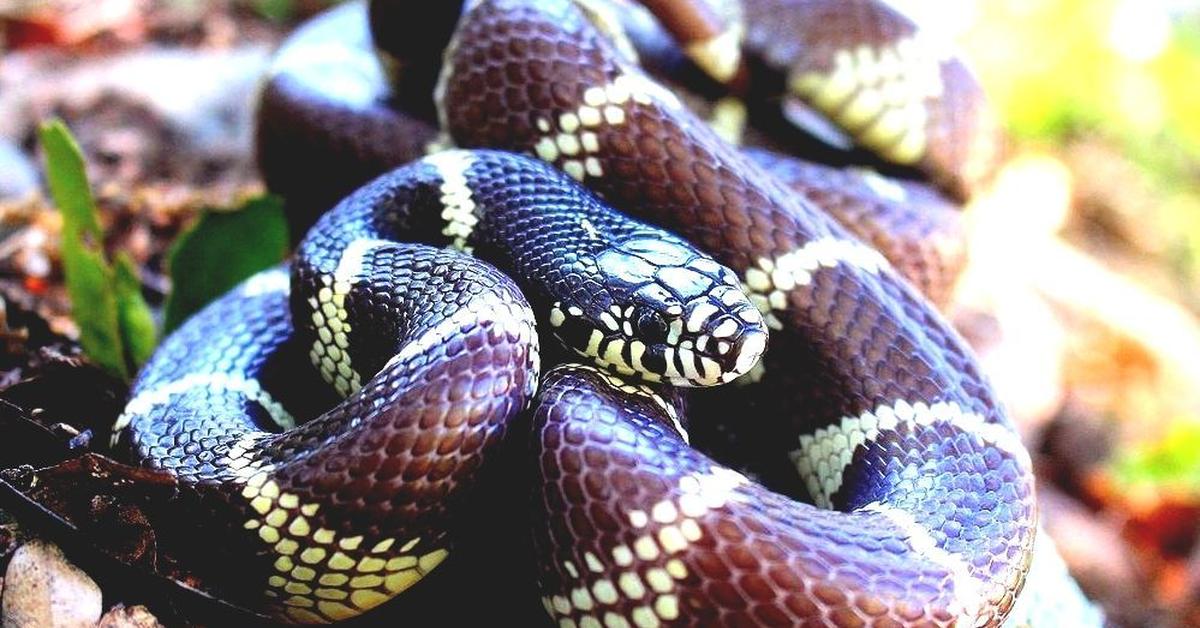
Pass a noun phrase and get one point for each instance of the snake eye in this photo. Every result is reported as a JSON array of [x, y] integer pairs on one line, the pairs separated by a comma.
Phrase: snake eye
[[651, 328]]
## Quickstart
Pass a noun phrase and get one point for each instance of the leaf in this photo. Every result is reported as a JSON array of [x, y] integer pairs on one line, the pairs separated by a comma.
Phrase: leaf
[[133, 314], [88, 276], [275, 10], [68, 180], [223, 248]]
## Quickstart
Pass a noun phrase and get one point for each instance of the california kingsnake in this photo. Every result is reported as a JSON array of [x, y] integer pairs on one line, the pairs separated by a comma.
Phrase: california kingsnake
[[866, 389]]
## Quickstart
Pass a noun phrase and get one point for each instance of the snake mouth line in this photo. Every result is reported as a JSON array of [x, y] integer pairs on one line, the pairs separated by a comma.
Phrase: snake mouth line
[[677, 366], [700, 347]]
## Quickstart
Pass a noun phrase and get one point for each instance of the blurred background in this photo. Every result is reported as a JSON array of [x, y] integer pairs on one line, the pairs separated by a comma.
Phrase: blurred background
[[1082, 296]]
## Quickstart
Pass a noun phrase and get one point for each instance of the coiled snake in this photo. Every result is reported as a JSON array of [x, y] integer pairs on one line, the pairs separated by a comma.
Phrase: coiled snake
[[925, 511]]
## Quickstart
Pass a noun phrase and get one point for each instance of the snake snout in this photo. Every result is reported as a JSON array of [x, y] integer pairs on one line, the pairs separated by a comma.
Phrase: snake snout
[[723, 334], [747, 352]]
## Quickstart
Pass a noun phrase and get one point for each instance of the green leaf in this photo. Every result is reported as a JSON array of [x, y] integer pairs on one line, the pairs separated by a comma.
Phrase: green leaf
[[133, 314], [88, 276], [275, 10], [223, 248], [93, 304], [68, 180]]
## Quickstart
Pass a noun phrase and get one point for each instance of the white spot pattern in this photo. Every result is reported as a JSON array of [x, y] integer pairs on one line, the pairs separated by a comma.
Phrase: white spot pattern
[[880, 95], [646, 392], [718, 56], [267, 282], [769, 281], [162, 395], [883, 186], [458, 208], [646, 571], [515, 321], [824, 455], [330, 351], [728, 119], [968, 590], [571, 141]]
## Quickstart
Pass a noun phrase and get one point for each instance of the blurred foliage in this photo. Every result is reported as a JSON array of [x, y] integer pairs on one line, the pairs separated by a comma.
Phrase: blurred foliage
[[116, 327], [1121, 70], [1121, 74], [276, 10], [1061, 67], [285, 10], [223, 248], [138, 330], [1170, 465]]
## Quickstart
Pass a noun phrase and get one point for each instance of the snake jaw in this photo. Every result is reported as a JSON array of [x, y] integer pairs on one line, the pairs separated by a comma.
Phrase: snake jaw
[[749, 352], [671, 314], [712, 339], [721, 333]]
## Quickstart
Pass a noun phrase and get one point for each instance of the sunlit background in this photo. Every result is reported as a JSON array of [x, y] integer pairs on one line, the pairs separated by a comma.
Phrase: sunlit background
[[1087, 261], [1082, 297], [1101, 100]]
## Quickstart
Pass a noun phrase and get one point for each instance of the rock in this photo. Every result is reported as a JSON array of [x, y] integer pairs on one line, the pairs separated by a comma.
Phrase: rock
[[18, 174], [42, 589], [121, 616]]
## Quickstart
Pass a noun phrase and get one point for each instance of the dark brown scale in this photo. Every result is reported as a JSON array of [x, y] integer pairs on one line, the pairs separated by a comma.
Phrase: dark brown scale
[[434, 351], [962, 148], [917, 229], [853, 340], [668, 166]]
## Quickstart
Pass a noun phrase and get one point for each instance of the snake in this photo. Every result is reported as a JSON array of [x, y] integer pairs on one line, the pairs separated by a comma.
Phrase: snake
[[432, 352], [600, 211]]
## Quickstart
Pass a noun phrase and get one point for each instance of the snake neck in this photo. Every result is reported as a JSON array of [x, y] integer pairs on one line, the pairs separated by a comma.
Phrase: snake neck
[[627, 296]]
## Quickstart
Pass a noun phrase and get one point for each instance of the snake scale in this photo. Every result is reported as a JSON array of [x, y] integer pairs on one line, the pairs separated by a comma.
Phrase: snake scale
[[587, 211]]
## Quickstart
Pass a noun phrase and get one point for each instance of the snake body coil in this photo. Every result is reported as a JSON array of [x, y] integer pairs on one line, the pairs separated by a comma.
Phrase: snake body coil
[[333, 517], [434, 353], [924, 498], [880, 406]]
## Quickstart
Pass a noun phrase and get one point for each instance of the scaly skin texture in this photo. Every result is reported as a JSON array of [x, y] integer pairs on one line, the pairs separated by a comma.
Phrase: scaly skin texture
[[875, 389], [626, 295], [331, 518], [641, 527], [918, 230], [872, 71], [329, 122], [434, 352]]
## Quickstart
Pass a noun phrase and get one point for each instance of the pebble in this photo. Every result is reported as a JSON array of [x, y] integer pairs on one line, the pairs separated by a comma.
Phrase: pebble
[[18, 175], [121, 616], [43, 589]]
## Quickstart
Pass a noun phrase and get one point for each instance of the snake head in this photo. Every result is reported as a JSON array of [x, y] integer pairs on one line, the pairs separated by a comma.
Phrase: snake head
[[672, 315]]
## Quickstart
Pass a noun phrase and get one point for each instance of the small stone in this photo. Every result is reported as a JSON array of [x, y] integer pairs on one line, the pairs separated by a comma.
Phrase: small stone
[[18, 175], [42, 589], [121, 616]]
